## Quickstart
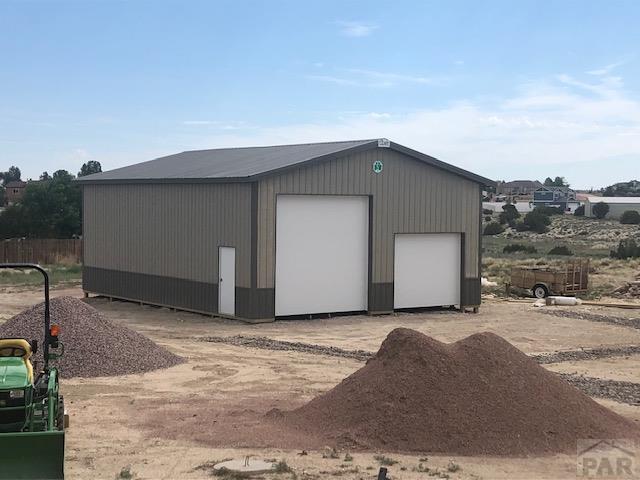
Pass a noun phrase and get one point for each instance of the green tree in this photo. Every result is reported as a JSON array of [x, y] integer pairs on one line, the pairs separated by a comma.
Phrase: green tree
[[627, 248], [600, 210], [62, 175], [45, 176], [49, 209], [89, 168], [509, 214], [557, 182], [630, 217], [10, 175], [493, 228], [537, 222]]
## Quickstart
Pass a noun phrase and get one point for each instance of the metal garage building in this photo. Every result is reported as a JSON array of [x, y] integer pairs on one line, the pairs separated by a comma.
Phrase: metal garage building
[[262, 232], [617, 205]]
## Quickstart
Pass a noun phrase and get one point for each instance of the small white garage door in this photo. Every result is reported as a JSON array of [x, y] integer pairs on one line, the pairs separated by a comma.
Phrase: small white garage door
[[321, 254], [426, 270]]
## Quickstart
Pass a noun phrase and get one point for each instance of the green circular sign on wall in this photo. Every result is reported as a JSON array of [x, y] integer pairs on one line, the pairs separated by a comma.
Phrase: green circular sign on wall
[[377, 166]]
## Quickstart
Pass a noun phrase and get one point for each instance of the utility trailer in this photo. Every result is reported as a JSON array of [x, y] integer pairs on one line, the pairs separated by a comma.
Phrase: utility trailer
[[570, 279]]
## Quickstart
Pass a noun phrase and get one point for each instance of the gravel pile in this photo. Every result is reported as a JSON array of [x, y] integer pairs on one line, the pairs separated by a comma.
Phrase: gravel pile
[[94, 346], [479, 395]]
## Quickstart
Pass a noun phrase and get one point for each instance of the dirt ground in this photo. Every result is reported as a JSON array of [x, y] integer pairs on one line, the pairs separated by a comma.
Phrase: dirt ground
[[156, 424]]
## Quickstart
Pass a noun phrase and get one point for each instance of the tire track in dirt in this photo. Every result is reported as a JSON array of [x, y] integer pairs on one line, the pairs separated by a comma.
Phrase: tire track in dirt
[[625, 392], [594, 317]]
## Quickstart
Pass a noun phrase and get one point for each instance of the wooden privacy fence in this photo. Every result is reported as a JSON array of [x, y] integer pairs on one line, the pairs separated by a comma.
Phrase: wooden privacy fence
[[46, 251]]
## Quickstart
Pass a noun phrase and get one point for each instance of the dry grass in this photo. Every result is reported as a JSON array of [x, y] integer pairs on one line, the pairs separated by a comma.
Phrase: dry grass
[[58, 274], [586, 238], [606, 274]]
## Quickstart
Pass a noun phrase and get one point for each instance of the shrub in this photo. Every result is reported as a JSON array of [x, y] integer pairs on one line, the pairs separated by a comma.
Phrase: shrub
[[487, 211], [521, 227], [488, 218], [579, 212], [537, 221], [518, 247], [549, 210], [508, 215], [627, 248], [384, 460], [493, 228], [600, 210], [630, 217], [561, 250]]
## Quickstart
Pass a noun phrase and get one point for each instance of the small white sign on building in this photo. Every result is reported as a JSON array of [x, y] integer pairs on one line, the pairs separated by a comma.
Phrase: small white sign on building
[[384, 143]]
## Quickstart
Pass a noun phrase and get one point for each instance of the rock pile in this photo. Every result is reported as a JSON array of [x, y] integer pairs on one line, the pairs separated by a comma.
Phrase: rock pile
[[480, 395], [94, 346], [630, 290]]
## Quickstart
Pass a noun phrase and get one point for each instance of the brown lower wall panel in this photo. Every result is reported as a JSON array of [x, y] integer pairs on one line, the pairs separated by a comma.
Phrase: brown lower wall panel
[[202, 297], [251, 304], [380, 297], [471, 292], [174, 292]]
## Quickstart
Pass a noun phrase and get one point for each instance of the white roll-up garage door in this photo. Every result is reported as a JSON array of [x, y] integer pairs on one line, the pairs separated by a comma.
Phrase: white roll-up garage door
[[321, 254], [426, 270]]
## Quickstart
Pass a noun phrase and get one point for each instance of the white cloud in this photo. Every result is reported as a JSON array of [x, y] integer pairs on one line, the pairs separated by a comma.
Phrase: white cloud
[[80, 153], [334, 79], [356, 77], [198, 122], [547, 126], [606, 70], [234, 125], [390, 79], [356, 28]]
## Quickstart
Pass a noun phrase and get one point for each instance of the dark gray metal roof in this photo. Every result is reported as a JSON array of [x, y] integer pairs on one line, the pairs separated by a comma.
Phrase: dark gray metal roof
[[247, 163]]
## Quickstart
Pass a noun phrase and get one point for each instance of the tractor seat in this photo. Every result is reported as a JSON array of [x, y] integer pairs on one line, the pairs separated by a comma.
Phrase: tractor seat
[[18, 347]]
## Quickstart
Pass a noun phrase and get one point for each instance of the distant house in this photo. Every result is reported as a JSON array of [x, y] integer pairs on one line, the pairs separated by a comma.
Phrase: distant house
[[517, 187], [14, 191], [547, 196], [617, 205]]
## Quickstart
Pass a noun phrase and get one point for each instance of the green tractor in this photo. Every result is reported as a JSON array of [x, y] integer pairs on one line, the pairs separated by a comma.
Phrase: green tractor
[[32, 417]]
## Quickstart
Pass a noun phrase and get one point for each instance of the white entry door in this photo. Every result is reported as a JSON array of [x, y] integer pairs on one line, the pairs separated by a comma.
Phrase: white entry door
[[321, 254], [227, 281], [426, 270]]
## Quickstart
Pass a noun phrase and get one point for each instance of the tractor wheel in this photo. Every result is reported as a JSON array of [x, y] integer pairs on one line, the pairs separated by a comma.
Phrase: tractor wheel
[[540, 291]]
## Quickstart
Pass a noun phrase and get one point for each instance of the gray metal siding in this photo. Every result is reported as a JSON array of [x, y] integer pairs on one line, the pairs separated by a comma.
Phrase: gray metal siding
[[615, 209], [168, 230], [408, 196]]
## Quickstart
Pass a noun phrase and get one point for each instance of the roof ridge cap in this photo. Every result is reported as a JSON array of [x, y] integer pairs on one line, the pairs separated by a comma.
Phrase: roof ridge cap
[[367, 140]]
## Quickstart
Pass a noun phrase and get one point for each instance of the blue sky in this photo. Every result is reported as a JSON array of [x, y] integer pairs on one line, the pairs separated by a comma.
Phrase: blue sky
[[505, 89]]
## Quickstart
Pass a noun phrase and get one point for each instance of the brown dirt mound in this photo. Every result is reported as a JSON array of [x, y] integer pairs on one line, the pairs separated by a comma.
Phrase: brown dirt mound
[[480, 395], [94, 346]]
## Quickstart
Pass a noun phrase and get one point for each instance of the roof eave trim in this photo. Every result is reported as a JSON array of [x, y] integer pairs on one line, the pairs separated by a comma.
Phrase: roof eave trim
[[442, 165]]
